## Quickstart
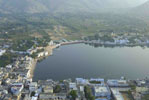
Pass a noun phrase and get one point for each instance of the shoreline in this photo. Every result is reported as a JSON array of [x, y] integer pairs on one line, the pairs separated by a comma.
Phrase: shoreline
[[33, 68], [48, 49]]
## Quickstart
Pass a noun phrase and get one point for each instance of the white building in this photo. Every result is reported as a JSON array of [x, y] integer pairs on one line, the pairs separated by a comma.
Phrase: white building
[[121, 41], [33, 86], [48, 89], [16, 88], [72, 86], [46, 53], [102, 91], [51, 43], [82, 81], [117, 83], [47, 96], [9, 66], [34, 98], [140, 82], [117, 95], [2, 52], [41, 54], [147, 41]]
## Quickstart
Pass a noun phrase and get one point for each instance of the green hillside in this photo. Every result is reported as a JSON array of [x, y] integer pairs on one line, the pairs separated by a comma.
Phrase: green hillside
[[70, 18], [50, 6]]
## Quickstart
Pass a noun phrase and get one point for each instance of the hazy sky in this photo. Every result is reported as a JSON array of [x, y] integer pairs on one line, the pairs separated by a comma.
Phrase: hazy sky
[[136, 2]]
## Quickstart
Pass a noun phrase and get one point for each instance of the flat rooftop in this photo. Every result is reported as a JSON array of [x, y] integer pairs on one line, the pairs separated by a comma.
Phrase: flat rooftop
[[101, 89]]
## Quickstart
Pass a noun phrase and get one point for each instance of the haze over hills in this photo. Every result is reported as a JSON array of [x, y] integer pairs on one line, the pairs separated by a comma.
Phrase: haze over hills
[[44, 6], [142, 11], [63, 18]]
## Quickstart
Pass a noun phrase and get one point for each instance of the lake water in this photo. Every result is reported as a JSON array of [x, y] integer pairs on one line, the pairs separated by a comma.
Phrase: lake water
[[80, 60]]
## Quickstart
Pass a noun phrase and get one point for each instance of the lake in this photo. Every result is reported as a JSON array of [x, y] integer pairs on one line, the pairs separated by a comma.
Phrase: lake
[[81, 60]]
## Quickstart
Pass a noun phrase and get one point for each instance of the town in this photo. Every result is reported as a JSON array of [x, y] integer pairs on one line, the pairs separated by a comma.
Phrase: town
[[74, 49], [16, 84], [127, 39], [17, 68]]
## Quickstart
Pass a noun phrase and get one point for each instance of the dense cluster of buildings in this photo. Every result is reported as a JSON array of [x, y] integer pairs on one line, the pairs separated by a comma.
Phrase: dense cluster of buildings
[[13, 78], [131, 39], [16, 82]]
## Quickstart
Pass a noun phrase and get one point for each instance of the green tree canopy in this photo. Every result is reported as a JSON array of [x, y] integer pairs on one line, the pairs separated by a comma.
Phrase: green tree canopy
[[73, 94]]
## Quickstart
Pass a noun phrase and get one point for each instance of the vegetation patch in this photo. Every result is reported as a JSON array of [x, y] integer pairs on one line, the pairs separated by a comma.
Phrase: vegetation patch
[[7, 59]]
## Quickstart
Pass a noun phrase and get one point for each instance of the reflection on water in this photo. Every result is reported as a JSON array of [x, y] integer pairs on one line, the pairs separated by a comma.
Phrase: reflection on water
[[80, 60]]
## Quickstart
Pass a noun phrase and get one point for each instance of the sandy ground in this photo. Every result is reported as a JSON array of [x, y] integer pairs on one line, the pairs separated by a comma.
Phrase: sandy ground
[[48, 49], [33, 68]]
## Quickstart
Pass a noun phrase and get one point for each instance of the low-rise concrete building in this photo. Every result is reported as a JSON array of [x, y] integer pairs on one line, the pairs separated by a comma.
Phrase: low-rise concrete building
[[73, 86], [82, 81], [117, 95], [48, 89], [2, 52], [117, 83], [33, 86], [16, 89], [102, 91], [46, 96]]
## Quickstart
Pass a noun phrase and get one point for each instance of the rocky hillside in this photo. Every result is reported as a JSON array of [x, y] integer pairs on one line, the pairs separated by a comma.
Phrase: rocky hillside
[[142, 12], [42, 6]]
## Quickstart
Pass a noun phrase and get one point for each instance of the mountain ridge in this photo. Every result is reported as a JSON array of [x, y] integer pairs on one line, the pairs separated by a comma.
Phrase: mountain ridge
[[48, 6], [142, 11]]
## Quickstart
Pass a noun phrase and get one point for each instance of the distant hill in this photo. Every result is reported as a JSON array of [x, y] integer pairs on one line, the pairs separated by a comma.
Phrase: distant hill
[[42, 6], [142, 11], [144, 8], [18, 6], [63, 17]]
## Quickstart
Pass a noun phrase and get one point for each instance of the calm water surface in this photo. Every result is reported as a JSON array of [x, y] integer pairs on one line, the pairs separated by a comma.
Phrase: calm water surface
[[80, 60]]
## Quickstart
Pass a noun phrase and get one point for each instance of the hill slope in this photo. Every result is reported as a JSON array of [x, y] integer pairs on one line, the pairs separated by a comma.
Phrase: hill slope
[[17, 6], [142, 11], [41, 6]]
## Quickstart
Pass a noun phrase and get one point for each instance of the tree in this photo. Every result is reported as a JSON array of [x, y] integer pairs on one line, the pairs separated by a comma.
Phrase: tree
[[6, 58], [23, 96], [145, 97], [57, 89], [33, 93], [91, 98], [133, 87], [88, 93], [73, 94]]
